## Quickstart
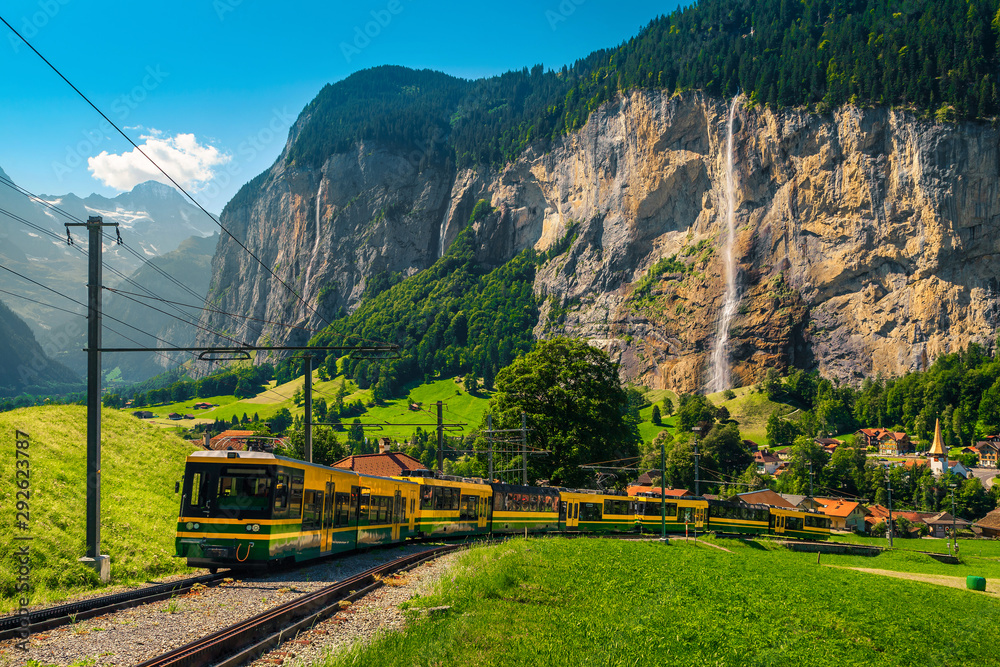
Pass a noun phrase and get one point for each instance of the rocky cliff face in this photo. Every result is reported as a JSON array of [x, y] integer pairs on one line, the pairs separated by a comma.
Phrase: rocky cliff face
[[864, 237]]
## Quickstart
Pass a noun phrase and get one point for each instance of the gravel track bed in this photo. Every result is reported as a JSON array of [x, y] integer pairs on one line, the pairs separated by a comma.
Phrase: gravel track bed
[[131, 636], [376, 612]]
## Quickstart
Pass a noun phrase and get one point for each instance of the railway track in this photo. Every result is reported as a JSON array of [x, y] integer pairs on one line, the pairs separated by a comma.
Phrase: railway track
[[51, 617], [249, 639]]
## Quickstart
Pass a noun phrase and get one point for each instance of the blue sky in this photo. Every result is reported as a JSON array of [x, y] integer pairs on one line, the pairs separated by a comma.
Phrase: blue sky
[[212, 85]]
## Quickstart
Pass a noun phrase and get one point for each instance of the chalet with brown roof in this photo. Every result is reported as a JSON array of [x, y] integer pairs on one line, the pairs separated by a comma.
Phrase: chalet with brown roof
[[764, 497], [942, 523], [987, 451], [888, 443], [989, 525], [143, 414], [384, 464], [829, 445], [801, 502], [751, 446], [844, 514]]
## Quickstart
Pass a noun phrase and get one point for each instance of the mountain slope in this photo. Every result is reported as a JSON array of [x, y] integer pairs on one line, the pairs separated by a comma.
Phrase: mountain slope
[[24, 366], [864, 235]]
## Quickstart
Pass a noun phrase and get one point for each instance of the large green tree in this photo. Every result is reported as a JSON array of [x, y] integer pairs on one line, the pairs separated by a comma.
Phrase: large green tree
[[576, 408]]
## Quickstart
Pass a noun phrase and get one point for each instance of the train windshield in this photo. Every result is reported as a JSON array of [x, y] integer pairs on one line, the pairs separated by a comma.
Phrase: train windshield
[[233, 492]]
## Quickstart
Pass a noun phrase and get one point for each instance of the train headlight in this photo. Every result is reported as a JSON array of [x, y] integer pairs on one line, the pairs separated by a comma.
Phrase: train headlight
[[197, 526], [190, 525], [249, 527], [256, 527]]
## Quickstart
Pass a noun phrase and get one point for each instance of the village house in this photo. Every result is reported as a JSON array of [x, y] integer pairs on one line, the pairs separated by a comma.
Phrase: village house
[[801, 502], [764, 497], [645, 485], [888, 443], [767, 463], [941, 524], [829, 445], [844, 514], [989, 525], [143, 414], [386, 463], [879, 513], [241, 441], [987, 452]]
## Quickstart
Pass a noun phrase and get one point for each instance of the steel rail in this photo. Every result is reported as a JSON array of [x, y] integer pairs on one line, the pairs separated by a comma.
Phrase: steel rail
[[248, 639], [51, 617]]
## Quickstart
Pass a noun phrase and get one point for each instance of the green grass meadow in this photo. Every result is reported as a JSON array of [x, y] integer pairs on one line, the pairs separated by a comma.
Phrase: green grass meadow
[[140, 464], [601, 602]]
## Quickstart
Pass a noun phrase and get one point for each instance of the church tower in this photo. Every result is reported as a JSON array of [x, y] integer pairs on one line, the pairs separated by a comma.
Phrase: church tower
[[937, 457]]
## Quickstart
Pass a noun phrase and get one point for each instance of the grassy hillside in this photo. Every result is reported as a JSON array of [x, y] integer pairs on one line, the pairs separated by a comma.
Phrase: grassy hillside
[[602, 602], [139, 509]]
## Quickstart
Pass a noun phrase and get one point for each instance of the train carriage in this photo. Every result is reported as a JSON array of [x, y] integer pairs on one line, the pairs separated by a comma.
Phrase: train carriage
[[594, 512], [742, 518], [800, 524], [252, 508], [517, 509], [451, 505], [681, 513]]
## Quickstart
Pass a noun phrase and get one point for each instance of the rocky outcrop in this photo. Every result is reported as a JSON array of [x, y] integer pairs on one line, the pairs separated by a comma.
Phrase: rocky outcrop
[[865, 238]]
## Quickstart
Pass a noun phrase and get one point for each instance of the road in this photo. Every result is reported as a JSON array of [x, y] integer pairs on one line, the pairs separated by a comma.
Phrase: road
[[985, 475]]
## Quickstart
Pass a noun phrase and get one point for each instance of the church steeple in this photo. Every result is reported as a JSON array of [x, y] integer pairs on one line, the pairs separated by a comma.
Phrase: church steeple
[[937, 455], [937, 449]]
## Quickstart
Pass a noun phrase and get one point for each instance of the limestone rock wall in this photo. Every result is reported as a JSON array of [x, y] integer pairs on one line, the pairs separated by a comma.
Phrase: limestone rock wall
[[865, 237]]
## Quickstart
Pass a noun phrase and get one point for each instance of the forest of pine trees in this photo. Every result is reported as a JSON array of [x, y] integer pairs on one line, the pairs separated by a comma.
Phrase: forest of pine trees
[[937, 57]]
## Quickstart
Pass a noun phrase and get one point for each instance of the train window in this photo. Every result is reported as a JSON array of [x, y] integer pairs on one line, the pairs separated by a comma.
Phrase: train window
[[243, 492], [413, 504], [426, 497], [533, 503], [196, 494], [363, 507], [498, 500], [311, 517], [793, 523], [342, 517], [590, 512], [671, 509]]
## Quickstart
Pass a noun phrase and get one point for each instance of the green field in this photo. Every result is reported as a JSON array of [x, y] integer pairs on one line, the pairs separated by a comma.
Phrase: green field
[[601, 602], [140, 464]]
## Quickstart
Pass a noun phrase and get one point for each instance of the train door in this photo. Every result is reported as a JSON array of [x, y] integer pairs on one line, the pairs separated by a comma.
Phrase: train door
[[699, 517], [483, 502], [779, 525], [326, 544], [413, 510], [398, 514], [573, 515]]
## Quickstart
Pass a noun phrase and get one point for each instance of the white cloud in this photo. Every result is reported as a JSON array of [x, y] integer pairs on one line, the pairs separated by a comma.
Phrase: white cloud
[[188, 162]]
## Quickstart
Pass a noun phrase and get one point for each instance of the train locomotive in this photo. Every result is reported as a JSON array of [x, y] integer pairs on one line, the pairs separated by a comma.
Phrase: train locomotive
[[253, 509]]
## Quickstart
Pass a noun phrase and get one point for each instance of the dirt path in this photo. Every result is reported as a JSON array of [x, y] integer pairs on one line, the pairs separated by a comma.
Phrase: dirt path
[[992, 585]]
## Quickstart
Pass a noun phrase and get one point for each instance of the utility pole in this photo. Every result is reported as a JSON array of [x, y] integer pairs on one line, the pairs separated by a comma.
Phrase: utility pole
[[95, 254], [307, 394], [889, 479], [810, 479], [697, 488], [663, 496], [489, 455], [524, 448], [954, 532], [440, 428]]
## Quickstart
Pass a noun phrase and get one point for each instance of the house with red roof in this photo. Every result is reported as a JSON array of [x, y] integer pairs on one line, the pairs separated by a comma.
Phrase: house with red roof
[[766, 462], [383, 464], [888, 443], [987, 451], [230, 440]]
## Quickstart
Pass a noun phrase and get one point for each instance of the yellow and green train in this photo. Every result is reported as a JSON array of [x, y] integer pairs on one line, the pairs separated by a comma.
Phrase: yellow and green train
[[243, 509]]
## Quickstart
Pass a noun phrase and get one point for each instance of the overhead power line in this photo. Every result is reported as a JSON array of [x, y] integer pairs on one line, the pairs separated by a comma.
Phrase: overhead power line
[[162, 171]]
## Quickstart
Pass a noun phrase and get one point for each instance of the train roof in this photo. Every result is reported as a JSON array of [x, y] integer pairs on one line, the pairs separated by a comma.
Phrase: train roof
[[266, 457]]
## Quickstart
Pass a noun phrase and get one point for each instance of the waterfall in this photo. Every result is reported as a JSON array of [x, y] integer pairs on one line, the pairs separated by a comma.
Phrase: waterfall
[[312, 258], [441, 236], [720, 378]]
